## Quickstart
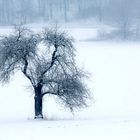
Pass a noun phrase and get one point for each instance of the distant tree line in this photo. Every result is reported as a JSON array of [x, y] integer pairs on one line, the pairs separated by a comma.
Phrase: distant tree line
[[105, 11]]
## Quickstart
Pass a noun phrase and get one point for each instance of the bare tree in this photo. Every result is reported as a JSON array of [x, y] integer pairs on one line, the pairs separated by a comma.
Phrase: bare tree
[[48, 61]]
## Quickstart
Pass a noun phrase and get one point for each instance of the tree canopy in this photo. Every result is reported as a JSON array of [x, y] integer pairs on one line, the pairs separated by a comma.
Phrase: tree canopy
[[47, 59]]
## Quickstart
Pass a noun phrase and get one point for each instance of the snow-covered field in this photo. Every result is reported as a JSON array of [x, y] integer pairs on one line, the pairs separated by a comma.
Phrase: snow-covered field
[[114, 69]]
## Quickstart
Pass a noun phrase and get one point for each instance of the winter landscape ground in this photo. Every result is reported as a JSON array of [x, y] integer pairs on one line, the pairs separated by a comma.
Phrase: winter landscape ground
[[114, 69]]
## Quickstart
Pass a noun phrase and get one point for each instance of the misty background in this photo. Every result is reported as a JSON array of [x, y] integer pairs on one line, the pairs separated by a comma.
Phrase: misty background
[[123, 16], [104, 11]]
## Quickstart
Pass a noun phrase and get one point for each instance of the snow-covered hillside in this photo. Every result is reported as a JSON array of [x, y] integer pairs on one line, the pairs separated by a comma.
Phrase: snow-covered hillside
[[114, 69]]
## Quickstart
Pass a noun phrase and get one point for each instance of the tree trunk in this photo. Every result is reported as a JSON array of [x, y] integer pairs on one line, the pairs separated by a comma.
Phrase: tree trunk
[[38, 103]]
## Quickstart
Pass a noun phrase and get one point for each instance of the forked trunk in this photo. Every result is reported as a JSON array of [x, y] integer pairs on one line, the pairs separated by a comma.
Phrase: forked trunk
[[38, 103]]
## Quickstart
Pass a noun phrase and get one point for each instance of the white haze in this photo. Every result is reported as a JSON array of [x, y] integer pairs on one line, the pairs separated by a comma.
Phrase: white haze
[[114, 82]]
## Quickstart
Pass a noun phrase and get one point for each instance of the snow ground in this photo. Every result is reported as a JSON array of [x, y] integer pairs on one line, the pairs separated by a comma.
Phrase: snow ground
[[70, 129], [114, 81]]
